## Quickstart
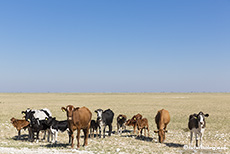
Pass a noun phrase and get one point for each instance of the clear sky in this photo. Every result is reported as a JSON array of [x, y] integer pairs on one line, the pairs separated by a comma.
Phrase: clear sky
[[115, 46]]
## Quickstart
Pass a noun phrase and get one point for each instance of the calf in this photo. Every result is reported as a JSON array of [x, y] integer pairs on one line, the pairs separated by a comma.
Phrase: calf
[[104, 118], [37, 125], [56, 126], [41, 114], [78, 118], [197, 125], [133, 121], [93, 126], [162, 119], [20, 124], [121, 119], [142, 124]]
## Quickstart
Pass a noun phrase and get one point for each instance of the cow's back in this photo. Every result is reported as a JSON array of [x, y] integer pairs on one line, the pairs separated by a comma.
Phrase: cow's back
[[162, 118], [108, 116], [82, 117]]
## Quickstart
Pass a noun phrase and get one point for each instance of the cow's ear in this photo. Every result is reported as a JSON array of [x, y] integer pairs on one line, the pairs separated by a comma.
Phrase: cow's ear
[[76, 108], [32, 112], [156, 131], [23, 112], [206, 115], [95, 111], [63, 109]]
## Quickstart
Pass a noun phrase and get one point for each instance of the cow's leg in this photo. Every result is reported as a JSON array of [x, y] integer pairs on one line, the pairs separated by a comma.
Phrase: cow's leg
[[69, 136], [110, 129], [78, 138], [90, 134], [19, 135], [196, 135], [191, 134], [96, 132], [104, 131], [148, 129], [48, 138], [201, 135], [37, 136], [135, 125], [86, 133], [72, 137], [56, 136], [99, 131], [118, 130], [44, 137]]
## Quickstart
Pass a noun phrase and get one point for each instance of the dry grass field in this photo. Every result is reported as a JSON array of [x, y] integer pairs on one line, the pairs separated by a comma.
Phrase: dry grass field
[[179, 105]]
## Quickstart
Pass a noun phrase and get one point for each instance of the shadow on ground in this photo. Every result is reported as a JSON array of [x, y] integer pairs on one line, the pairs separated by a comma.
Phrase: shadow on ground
[[23, 137], [59, 145], [174, 145]]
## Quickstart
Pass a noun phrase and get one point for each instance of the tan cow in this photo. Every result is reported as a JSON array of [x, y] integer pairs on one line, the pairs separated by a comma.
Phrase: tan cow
[[78, 118], [20, 124], [162, 119], [142, 124], [133, 121]]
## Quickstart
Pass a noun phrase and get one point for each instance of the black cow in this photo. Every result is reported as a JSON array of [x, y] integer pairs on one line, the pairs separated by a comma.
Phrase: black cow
[[56, 126], [93, 126], [104, 118], [40, 114], [36, 125], [121, 119], [197, 125]]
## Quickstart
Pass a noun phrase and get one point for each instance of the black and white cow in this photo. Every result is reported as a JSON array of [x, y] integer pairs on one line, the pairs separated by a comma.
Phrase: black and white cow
[[121, 119], [36, 125], [104, 118], [56, 126], [36, 116], [197, 126]]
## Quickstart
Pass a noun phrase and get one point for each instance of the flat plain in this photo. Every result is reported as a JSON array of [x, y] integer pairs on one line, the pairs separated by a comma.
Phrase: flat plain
[[180, 105]]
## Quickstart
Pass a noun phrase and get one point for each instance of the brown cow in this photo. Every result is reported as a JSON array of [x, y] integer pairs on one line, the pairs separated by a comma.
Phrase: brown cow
[[162, 119], [142, 124], [78, 118], [133, 121], [19, 124]]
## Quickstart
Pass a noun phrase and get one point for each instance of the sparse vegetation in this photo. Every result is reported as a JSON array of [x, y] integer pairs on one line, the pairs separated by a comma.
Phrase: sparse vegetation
[[179, 105]]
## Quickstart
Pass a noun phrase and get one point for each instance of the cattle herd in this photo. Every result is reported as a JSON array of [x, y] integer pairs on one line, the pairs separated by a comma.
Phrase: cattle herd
[[81, 119]]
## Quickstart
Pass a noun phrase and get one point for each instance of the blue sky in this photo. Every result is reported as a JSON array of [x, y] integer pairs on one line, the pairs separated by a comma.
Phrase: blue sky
[[115, 46]]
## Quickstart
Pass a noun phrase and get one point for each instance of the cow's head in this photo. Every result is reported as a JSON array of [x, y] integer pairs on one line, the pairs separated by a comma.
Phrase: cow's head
[[135, 118], [99, 114], [12, 120], [201, 119], [161, 134], [69, 111]]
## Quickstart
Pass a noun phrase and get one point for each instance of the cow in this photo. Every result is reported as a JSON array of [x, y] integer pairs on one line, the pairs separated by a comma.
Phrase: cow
[[104, 118], [78, 118], [197, 126], [37, 125], [142, 124], [56, 126], [133, 121], [20, 124], [40, 114], [93, 127], [121, 119], [162, 119]]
